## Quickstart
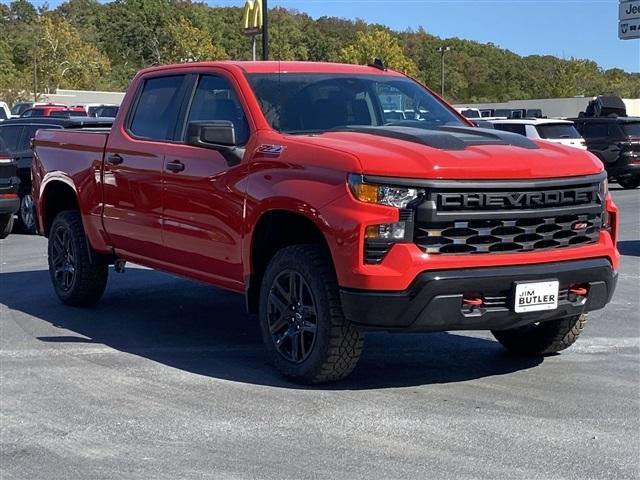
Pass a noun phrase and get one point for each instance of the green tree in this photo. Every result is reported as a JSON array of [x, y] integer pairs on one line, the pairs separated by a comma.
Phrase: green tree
[[63, 59], [187, 43], [381, 44]]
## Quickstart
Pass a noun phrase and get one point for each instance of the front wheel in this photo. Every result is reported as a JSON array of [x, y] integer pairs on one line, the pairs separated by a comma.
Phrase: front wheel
[[543, 338], [6, 225], [79, 275], [301, 319], [630, 182]]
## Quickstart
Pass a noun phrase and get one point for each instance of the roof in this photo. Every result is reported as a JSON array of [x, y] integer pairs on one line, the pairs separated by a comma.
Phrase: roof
[[531, 121], [284, 67], [72, 122], [607, 119]]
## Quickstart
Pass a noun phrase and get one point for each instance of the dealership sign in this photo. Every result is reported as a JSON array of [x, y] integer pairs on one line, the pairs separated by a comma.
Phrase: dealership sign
[[629, 19]]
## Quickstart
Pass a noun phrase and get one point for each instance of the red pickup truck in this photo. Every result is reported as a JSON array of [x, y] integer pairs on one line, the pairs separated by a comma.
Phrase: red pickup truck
[[338, 199]]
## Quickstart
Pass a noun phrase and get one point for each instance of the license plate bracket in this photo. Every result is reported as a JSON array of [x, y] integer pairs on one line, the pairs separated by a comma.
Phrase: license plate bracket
[[536, 296]]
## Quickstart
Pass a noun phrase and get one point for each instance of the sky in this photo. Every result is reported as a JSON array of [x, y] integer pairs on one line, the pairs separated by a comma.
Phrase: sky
[[586, 29]]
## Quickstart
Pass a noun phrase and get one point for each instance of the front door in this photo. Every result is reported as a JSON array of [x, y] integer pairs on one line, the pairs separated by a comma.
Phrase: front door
[[133, 168], [203, 199]]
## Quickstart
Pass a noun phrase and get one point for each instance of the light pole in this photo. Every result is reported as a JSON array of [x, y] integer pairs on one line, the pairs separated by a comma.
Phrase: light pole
[[442, 51]]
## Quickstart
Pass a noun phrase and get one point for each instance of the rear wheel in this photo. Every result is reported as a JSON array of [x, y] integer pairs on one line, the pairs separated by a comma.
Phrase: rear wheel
[[629, 182], [27, 214], [302, 324], [79, 275], [6, 225], [542, 338]]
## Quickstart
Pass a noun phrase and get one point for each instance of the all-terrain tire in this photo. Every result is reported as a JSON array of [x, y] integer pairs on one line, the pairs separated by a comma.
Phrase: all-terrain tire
[[79, 277], [544, 338], [338, 344], [6, 225], [629, 183]]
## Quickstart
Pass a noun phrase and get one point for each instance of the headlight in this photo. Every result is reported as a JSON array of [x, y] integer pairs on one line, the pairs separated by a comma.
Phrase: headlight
[[392, 196]]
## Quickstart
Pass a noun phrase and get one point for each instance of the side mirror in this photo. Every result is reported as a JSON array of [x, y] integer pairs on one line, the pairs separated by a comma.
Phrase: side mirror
[[213, 134]]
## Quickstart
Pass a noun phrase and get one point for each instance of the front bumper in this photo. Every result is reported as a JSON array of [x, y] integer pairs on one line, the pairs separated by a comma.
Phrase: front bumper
[[434, 301]]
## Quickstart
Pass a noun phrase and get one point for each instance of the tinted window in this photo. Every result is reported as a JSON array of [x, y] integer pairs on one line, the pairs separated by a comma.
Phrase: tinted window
[[310, 103], [470, 113], [557, 130], [109, 112], [30, 133], [3, 114], [215, 99], [520, 129], [631, 129], [157, 108], [18, 108], [10, 135], [594, 130]]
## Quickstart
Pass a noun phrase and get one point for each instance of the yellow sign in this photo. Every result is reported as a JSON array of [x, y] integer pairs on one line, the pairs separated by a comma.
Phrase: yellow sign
[[253, 16]]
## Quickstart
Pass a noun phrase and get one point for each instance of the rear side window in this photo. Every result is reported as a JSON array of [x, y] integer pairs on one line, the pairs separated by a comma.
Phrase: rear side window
[[157, 108], [3, 114], [631, 129], [215, 99], [511, 127], [10, 135], [595, 130], [557, 130], [30, 133]]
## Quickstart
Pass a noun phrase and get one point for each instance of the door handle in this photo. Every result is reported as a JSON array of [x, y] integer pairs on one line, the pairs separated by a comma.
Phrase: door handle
[[115, 159], [175, 166]]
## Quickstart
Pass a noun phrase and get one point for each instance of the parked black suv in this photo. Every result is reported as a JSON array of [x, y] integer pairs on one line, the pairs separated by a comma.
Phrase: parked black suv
[[616, 142], [16, 136]]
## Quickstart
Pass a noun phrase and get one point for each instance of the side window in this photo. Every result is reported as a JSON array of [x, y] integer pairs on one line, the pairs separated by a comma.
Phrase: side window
[[511, 127], [595, 130], [157, 108], [3, 114], [10, 135], [215, 99], [30, 133]]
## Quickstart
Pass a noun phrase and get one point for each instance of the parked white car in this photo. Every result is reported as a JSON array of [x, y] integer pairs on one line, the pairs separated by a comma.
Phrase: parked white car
[[5, 111], [549, 129]]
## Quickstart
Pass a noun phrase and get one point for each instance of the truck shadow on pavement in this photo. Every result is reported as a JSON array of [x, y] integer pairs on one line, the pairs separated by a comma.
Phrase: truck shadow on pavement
[[629, 248], [205, 331]]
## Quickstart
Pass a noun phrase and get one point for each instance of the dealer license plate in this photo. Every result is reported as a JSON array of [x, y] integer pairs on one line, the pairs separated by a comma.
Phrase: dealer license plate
[[534, 297]]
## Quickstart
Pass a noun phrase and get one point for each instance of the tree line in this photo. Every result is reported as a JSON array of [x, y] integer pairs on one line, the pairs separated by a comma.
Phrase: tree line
[[84, 44]]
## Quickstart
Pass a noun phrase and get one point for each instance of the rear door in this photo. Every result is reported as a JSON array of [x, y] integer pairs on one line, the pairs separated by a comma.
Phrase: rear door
[[133, 167], [596, 135], [203, 196]]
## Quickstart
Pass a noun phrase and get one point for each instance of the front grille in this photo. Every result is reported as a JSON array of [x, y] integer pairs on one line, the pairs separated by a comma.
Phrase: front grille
[[510, 235], [508, 217]]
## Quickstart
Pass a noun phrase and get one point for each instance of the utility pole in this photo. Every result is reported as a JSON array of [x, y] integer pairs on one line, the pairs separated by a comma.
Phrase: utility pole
[[265, 31], [442, 51], [35, 80]]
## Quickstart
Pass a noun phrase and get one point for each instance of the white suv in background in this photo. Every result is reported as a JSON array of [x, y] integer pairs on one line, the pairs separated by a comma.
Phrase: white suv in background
[[552, 130]]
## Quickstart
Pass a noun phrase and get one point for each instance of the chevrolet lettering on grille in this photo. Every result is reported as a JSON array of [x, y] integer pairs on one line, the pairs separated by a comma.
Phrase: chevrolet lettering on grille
[[517, 199]]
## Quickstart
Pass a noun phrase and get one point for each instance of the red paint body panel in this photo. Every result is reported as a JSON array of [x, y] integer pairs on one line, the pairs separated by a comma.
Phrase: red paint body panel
[[200, 222]]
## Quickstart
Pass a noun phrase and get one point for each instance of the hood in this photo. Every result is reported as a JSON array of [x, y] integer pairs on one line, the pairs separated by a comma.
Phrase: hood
[[462, 153]]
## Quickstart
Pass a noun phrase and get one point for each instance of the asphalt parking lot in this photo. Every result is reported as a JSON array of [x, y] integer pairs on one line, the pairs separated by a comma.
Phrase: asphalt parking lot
[[168, 379]]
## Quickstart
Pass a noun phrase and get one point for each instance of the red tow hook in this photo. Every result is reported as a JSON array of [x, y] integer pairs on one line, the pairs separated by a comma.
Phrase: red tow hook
[[472, 301], [576, 293]]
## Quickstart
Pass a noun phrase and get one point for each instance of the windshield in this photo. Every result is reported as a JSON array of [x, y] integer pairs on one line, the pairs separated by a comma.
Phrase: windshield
[[558, 130], [313, 103], [631, 129]]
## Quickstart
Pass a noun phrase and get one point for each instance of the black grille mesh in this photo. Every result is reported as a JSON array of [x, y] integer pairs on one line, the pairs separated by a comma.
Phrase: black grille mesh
[[511, 235]]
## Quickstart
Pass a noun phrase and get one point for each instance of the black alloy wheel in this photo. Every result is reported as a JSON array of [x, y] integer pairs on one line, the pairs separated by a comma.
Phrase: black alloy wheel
[[63, 259], [27, 214], [292, 316]]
